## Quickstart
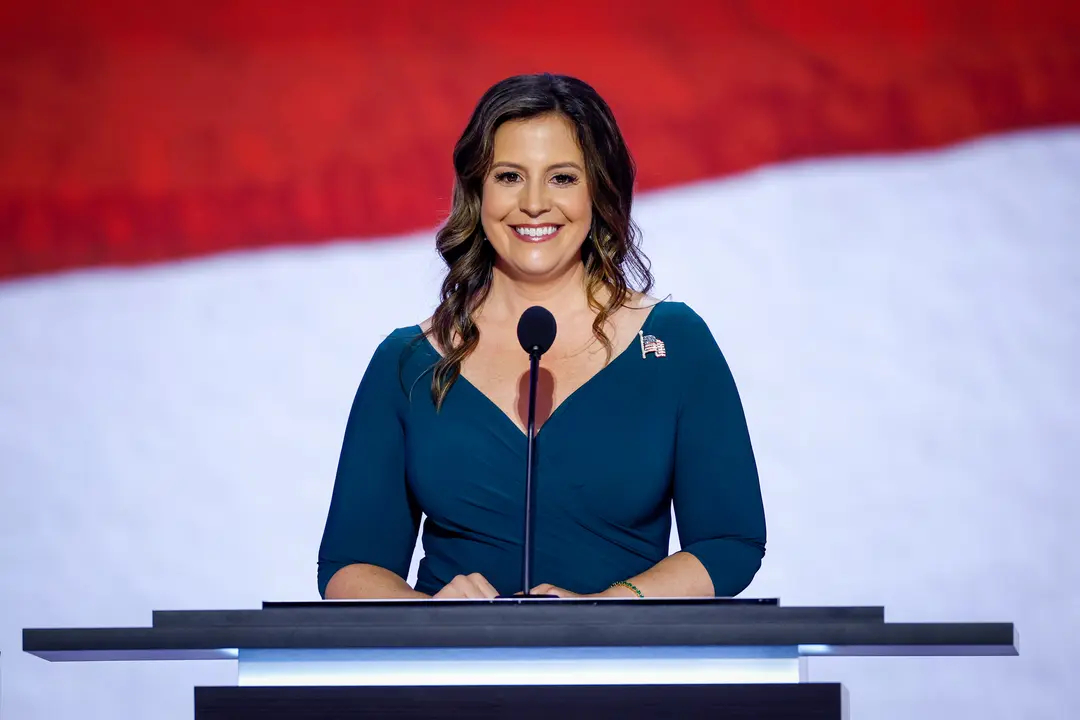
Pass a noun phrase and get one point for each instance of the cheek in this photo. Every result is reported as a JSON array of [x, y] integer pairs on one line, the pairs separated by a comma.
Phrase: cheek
[[577, 206], [497, 202]]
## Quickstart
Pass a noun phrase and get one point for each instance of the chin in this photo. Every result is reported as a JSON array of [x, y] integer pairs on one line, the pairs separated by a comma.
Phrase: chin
[[531, 270], [539, 262]]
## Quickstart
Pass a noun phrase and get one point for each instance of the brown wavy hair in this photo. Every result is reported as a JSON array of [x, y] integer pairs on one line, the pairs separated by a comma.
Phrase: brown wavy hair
[[610, 253]]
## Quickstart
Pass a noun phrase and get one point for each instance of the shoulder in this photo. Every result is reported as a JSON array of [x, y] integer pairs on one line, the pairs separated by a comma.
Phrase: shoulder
[[679, 319], [396, 348], [696, 367], [688, 341], [403, 336], [400, 358]]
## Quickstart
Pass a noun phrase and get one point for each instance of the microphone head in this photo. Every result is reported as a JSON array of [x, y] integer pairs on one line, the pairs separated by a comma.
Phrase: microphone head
[[536, 330]]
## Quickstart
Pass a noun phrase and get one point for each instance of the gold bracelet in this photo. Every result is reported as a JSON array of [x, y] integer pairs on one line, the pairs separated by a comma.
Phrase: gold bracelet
[[627, 583]]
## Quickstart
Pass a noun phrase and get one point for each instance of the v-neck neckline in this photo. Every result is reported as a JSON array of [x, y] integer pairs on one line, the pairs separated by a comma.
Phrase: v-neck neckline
[[523, 433]]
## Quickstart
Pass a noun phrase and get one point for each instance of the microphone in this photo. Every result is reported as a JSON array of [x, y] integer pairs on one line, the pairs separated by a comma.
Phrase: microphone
[[536, 332]]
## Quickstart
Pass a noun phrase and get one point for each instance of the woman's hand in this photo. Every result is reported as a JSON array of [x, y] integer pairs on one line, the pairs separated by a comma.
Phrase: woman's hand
[[612, 592], [467, 586], [549, 589]]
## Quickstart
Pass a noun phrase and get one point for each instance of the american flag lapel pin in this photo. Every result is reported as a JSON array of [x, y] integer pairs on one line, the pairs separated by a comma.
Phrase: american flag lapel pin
[[650, 344]]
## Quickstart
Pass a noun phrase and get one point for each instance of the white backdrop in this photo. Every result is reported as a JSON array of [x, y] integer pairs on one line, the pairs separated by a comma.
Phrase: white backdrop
[[905, 332]]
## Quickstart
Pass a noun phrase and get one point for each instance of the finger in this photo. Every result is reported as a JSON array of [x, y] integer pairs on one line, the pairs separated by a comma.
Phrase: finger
[[461, 587], [448, 592], [468, 587], [452, 590], [486, 589], [549, 589]]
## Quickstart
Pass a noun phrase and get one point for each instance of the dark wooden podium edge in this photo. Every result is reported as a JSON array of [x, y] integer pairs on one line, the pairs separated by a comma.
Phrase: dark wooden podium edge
[[794, 701]]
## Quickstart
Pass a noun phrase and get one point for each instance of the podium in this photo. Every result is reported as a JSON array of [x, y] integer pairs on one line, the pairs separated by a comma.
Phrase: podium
[[522, 658]]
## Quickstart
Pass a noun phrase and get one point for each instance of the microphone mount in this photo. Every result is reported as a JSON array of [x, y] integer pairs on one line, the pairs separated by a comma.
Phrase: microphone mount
[[536, 333]]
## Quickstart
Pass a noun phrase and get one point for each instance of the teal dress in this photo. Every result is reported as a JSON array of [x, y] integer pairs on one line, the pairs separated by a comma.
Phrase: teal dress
[[643, 434]]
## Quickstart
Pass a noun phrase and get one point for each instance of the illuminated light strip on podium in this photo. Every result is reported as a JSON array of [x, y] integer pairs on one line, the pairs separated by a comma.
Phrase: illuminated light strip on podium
[[519, 666]]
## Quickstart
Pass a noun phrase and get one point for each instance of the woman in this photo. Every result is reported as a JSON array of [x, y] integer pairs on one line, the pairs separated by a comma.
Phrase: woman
[[637, 408]]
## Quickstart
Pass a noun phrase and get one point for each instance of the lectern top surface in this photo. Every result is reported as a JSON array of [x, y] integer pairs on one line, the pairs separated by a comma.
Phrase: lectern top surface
[[522, 624], [697, 601]]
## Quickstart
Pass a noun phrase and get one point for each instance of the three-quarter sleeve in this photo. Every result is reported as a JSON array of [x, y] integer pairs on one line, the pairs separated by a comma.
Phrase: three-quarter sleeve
[[372, 518], [716, 494]]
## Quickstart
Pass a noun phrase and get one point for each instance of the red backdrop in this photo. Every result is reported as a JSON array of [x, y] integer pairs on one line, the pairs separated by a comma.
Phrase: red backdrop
[[135, 131]]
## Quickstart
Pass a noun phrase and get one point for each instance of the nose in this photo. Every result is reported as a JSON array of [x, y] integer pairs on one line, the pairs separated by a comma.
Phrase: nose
[[534, 199]]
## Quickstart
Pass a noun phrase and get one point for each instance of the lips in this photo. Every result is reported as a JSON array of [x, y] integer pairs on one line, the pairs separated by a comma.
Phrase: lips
[[535, 233]]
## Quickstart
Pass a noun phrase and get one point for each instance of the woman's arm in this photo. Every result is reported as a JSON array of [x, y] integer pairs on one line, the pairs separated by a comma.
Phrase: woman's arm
[[678, 575], [372, 581], [361, 580], [373, 520], [716, 493]]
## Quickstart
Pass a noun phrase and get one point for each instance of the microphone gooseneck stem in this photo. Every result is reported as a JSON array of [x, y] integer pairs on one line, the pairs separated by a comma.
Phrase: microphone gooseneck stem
[[526, 564]]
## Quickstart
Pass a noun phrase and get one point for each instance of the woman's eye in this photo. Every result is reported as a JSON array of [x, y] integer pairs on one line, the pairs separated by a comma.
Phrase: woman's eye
[[508, 176], [564, 179]]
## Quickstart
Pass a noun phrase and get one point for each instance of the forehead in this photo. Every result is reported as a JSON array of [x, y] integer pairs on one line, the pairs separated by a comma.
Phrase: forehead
[[547, 139]]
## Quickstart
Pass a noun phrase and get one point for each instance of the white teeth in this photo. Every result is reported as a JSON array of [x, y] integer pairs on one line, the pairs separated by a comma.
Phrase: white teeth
[[537, 231]]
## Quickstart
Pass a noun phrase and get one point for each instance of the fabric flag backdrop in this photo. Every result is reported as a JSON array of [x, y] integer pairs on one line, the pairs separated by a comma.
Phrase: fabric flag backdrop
[[211, 213]]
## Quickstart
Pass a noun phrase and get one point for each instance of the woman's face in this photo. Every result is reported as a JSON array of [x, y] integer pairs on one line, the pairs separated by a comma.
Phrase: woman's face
[[536, 208]]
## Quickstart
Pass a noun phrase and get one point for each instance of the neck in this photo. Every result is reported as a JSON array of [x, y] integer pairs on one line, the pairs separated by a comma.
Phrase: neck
[[563, 295]]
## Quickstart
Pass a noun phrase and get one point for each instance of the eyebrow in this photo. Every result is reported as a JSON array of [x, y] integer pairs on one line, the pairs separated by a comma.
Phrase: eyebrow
[[548, 169]]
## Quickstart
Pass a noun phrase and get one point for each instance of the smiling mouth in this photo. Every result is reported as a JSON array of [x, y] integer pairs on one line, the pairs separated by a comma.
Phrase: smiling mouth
[[535, 233]]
